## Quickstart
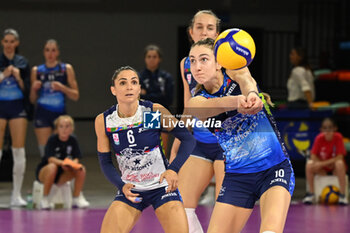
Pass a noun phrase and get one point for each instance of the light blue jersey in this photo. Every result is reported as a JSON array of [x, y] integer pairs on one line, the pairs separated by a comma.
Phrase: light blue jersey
[[251, 143], [10, 90], [201, 134], [48, 98]]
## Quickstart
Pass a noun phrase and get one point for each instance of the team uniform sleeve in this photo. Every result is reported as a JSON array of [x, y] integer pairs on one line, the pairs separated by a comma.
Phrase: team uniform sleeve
[[186, 147], [169, 89], [109, 170], [143, 86]]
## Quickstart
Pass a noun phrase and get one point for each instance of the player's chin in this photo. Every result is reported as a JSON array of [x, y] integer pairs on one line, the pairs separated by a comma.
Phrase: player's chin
[[130, 98]]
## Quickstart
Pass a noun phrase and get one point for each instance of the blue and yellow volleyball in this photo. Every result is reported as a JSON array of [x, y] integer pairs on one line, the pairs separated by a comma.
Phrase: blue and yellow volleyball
[[330, 195], [234, 49]]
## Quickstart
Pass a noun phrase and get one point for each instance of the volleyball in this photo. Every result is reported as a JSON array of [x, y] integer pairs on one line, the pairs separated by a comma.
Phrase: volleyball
[[234, 49], [330, 195]]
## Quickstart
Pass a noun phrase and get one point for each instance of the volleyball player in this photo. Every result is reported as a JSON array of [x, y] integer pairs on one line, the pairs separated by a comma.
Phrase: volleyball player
[[146, 178], [256, 162], [51, 83], [207, 159], [14, 73]]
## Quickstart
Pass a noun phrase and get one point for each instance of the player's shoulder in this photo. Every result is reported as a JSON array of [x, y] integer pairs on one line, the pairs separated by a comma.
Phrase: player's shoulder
[[146, 104], [338, 136], [298, 70]]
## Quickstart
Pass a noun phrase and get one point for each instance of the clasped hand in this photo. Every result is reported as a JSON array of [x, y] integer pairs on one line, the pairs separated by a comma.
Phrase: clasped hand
[[251, 104]]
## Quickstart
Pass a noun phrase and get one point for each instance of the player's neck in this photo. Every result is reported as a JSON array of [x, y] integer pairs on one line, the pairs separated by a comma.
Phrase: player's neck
[[51, 64], [127, 110], [9, 56], [214, 84]]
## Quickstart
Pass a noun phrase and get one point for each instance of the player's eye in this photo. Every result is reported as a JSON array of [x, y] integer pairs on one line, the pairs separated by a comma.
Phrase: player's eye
[[210, 28]]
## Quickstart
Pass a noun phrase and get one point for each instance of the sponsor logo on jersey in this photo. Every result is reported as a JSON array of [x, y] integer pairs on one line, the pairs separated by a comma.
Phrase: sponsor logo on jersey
[[151, 120], [189, 78], [230, 90], [69, 150], [116, 139], [222, 191]]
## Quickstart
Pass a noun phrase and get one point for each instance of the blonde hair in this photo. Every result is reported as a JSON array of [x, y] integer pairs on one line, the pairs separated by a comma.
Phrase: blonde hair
[[208, 12], [268, 99], [63, 117]]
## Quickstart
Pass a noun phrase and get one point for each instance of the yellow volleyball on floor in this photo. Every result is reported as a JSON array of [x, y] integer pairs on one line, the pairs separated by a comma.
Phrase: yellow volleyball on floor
[[330, 195], [234, 49]]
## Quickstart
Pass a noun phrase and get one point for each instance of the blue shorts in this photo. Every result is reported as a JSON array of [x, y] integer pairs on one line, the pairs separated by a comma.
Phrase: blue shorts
[[45, 118], [156, 198], [244, 189], [12, 109], [208, 151]]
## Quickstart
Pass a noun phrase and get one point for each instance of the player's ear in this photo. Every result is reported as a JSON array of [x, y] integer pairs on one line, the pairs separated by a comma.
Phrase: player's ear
[[113, 91], [218, 66]]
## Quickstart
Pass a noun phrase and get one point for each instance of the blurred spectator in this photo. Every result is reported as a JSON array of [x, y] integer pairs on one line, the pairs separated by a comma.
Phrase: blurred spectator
[[327, 157], [156, 84], [61, 162], [300, 85]]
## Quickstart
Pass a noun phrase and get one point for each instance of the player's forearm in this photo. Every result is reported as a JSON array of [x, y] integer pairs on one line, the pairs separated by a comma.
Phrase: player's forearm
[[243, 77], [308, 97], [206, 108], [71, 93]]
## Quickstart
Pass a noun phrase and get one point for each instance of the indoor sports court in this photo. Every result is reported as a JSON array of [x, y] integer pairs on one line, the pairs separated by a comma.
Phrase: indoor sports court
[[99, 192], [99, 36], [299, 220]]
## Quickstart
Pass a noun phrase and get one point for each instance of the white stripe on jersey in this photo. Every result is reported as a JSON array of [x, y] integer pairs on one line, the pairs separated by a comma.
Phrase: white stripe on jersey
[[113, 120]]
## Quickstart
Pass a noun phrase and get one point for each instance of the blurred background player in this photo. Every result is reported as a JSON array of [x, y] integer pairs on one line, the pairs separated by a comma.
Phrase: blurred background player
[[51, 83], [157, 85], [14, 75]]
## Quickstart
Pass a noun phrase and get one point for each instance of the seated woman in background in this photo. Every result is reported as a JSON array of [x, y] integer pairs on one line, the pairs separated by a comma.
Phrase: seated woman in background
[[300, 85], [54, 167], [327, 156]]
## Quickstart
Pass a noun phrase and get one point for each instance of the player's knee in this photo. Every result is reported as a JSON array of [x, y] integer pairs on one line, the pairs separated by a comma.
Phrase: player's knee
[[51, 168], [339, 165], [310, 166], [80, 173]]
